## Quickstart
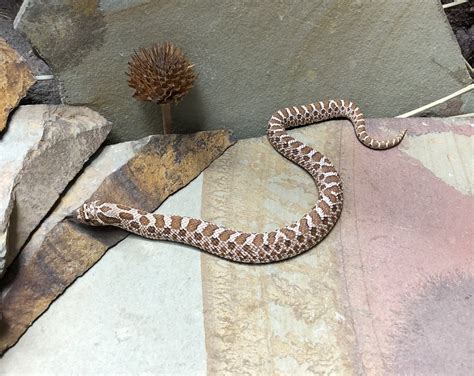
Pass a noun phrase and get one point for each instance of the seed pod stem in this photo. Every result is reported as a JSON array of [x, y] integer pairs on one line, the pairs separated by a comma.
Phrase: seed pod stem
[[166, 115]]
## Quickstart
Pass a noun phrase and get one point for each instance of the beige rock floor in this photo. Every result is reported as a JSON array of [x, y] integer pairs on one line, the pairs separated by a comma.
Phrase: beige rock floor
[[138, 310], [388, 291]]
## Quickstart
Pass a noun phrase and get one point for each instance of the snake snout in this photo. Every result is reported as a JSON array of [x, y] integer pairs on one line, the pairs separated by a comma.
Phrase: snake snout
[[86, 214]]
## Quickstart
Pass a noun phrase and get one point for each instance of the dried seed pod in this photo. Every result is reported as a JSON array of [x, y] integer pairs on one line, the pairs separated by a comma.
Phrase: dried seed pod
[[160, 74]]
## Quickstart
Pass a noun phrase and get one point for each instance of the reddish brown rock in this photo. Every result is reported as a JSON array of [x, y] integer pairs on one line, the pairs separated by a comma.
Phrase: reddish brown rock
[[15, 80]]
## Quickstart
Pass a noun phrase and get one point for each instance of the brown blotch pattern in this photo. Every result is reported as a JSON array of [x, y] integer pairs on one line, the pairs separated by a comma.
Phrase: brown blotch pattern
[[326, 169], [317, 157], [159, 220], [209, 230], [225, 235], [258, 240], [175, 222], [289, 233], [304, 225], [271, 237], [325, 207], [315, 217], [241, 238], [193, 224], [134, 224], [126, 216], [332, 179], [144, 220], [108, 220]]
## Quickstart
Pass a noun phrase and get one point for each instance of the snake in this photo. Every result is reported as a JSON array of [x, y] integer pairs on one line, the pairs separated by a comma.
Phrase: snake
[[256, 247]]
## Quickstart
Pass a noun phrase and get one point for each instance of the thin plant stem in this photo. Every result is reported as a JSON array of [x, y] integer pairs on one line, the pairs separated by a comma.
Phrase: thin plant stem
[[166, 113], [439, 101]]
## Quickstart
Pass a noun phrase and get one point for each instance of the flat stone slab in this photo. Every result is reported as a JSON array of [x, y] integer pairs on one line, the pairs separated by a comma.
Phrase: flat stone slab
[[41, 152], [251, 58], [384, 293], [166, 273], [15, 79], [387, 292], [141, 174]]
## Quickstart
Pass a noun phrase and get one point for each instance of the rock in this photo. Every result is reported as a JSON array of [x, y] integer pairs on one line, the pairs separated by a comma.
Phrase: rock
[[455, 106], [46, 88], [135, 306], [43, 149], [140, 173], [461, 18], [15, 79], [387, 292], [252, 58]]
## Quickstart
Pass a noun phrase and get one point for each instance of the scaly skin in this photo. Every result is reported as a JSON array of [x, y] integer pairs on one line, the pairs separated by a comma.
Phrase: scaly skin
[[256, 248]]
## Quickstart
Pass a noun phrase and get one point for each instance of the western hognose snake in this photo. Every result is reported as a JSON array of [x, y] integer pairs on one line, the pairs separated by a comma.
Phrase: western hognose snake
[[265, 247]]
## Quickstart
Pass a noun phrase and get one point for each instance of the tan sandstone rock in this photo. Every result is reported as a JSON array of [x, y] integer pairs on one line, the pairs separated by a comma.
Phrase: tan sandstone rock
[[15, 80], [140, 173], [40, 154], [387, 292]]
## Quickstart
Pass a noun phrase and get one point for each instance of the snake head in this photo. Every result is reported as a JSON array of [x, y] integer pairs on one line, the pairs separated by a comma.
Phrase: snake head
[[88, 214]]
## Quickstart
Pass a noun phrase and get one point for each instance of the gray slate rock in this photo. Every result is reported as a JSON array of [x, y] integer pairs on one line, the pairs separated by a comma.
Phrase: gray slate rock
[[252, 57], [42, 151]]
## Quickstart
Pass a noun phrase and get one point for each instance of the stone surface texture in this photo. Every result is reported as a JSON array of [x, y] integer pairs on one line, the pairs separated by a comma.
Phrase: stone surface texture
[[44, 91], [42, 151], [251, 57], [142, 174], [15, 80], [389, 291], [462, 104], [129, 301], [385, 293]]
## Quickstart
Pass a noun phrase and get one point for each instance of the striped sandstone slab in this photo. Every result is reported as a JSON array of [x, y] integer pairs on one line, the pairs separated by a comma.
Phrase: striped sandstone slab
[[60, 251], [354, 303], [393, 276], [142, 294]]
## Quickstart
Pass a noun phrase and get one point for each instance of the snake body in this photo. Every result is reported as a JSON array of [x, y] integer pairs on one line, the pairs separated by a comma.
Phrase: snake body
[[266, 247]]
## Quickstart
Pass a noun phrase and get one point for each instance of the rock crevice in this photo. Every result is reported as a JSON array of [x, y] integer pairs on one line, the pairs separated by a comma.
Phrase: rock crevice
[[44, 149]]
